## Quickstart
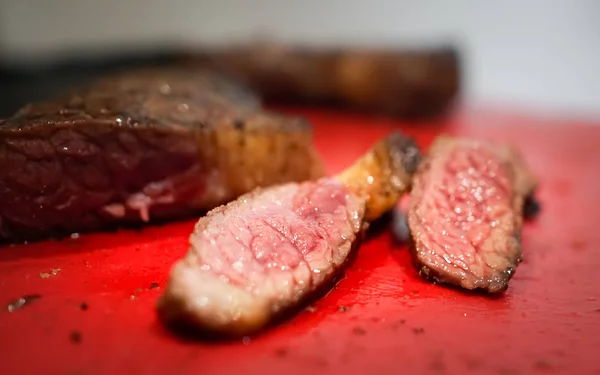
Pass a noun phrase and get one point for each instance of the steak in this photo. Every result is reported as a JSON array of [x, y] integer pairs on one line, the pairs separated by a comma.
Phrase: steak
[[142, 146], [466, 213], [264, 254], [397, 82]]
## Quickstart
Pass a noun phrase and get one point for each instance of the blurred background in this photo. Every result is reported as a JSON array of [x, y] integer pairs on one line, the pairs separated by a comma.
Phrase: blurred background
[[530, 55]]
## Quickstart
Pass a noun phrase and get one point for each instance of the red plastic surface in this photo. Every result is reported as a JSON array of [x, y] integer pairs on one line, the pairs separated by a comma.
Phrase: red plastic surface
[[380, 319]]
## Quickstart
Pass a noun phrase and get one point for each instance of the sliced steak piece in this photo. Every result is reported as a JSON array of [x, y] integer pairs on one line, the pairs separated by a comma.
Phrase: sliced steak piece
[[265, 253], [142, 146], [466, 213]]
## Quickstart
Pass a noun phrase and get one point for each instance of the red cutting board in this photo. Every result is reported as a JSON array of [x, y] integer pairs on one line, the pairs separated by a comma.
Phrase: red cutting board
[[380, 319]]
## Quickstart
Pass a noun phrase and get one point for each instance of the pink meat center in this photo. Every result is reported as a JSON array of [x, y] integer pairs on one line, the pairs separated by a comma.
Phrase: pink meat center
[[467, 196], [284, 236]]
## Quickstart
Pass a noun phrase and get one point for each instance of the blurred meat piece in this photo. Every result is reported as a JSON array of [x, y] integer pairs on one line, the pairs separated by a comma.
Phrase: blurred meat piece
[[141, 146], [403, 83]]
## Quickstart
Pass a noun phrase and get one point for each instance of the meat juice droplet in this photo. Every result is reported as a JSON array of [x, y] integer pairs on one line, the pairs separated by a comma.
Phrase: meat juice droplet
[[203, 301], [165, 89], [224, 279], [238, 266]]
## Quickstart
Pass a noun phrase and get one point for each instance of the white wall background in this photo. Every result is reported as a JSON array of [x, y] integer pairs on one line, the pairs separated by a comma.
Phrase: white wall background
[[541, 54]]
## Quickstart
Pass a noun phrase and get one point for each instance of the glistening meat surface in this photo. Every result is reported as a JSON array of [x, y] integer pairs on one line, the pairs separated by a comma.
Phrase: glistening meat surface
[[466, 213], [265, 253], [140, 146]]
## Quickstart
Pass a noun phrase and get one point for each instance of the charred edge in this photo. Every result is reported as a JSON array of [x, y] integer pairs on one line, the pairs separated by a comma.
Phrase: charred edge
[[531, 208], [403, 152], [493, 289], [188, 330]]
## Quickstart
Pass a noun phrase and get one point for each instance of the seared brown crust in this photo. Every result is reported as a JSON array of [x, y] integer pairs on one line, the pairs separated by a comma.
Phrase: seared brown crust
[[383, 174], [179, 141], [144, 98], [397, 82], [523, 185]]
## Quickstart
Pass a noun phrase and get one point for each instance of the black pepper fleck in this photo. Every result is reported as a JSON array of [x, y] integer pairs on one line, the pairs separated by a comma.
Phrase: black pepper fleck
[[76, 337], [343, 308], [154, 285], [84, 306], [418, 330], [359, 331]]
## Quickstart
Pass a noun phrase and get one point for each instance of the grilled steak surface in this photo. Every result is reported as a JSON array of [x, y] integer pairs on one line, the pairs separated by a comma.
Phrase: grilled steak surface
[[141, 146], [466, 213], [266, 252]]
